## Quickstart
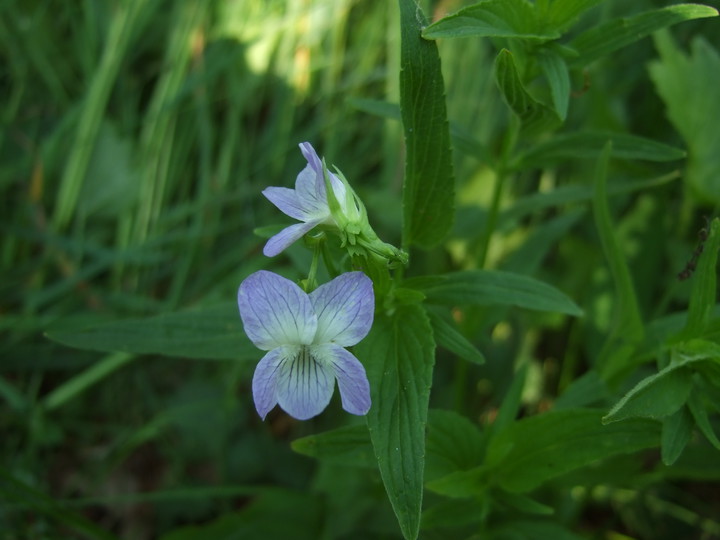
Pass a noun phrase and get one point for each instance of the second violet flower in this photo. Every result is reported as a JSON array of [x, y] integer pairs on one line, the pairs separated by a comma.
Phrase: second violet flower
[[305, 336]]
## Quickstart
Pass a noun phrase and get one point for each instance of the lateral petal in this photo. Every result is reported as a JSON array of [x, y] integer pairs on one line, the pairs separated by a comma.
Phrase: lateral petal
[[344, 308], [288, 236], [287, 201], [351, 377], [275, 311], [304, 385]]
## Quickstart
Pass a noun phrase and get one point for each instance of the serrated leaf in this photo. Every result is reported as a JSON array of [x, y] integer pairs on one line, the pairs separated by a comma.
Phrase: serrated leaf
[[450, 338], [428, 188], [676, 432], [605, 38], [551, 444], [494, 287], [590, 144], [534, 115], [492, 18], [401, 349], [204, 333], [348, 445], [657, 396], [680, 80]]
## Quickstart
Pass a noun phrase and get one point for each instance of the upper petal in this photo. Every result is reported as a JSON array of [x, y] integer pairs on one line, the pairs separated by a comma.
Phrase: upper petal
[[304, 385], [275, 311], [282, 240], [287, 201], [344, 308], [351, 377], [311, 156]]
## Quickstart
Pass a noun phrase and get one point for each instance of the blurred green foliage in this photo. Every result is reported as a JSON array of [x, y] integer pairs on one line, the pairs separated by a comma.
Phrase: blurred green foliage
[[136, 138]]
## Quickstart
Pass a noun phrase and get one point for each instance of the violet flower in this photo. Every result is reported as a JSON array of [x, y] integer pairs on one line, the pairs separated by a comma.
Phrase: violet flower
[[306, 336], [307, 203]]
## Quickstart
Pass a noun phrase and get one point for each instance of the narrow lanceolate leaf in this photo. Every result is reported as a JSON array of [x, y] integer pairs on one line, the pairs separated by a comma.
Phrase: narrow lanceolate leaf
[[449, 337], [702, 298], [428, 190], [605, 38], [657, 396], [539, 448], [534, 115], [627, 331], [349, 446], [492, 287], [555, 70], [492, 18], [560, 14], [207, 333], [590, 144], [400, 357], [676, 433], [534, 450]]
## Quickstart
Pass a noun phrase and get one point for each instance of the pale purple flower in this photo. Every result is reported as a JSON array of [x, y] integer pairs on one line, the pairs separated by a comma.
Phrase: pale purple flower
[[307, 202], [306, 336]]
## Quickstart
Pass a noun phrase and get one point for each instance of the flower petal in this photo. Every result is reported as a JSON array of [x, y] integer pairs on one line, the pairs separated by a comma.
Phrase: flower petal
[[287, 201], [344, 309], [285, 238], [275, 311], [351, 377], [311, 193], [264, 381], [304, 385]]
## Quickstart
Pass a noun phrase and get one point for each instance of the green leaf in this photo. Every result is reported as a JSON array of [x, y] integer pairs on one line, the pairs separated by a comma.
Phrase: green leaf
[[528, 258], [700, 415], [682, 80], [588, 389], [627, 330], [450, 338], [536, 449], [349, 446], [702, 297], [276, 514], [15, 492], [657, 396], [590, 144], [676, 432], [454, 443], [428, 189], [522, 503], [400, 356], [605, 38], [539, 448], [534, 115], [493, 287], [492, 18], [560, 14], [510, 407], [462, 139], [556, 72], [205, 333]]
